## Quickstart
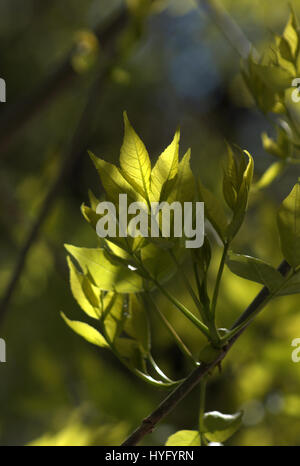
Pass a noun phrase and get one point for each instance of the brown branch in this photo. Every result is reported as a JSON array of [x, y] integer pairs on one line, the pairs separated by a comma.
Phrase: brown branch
[[16, 116], [169, 403]]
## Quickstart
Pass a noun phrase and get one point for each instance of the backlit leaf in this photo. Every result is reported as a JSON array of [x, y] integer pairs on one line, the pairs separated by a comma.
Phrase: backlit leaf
[[106, 275], [289, 226], [183, 188], [86, 331], [83, 291], [137, 325], [165, 169], [134, 160], [113, 181], [214, 211], [220, 427], [184, 438]]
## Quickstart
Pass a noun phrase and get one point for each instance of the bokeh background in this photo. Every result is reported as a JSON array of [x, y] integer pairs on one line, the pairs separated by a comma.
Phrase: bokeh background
[[71, 68]]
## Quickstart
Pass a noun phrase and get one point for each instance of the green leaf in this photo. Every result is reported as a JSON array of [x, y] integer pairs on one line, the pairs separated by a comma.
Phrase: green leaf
[[270, 175], [203, 256], [271, 146], [113, 181], [292, 286], [289, 226], [134, 160], [283, 147], [183, 188], [165, 169], [184, 438], [255, 270], [105, 274], [137, 325], [267, 83], [159, 263], [116, 250], [214, 211], [274, 77], [244, 179], [285, 50], [114, 315], [94, 201], [291, 35], [129, 349], [86, 331], [230, 179], [85, 293], [90, 215], [219, 427]]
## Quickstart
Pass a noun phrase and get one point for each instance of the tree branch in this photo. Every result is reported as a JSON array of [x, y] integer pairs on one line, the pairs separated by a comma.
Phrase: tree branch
[[16, 116], [169, 403]]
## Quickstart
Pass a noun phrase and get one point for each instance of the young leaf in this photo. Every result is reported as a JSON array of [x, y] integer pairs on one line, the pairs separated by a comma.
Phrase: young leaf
[[255, 270], [90, 215], [266, 83], [274, 77], [134, 160], [285, 50], [291, 35], [244, 179], [289, 226], [159, 263], [113, 316], [203, 256], [86, 331], [213, 210], [113, 181], [137, 325], [165, 169], [105, 274], [270, 175], [183, 189], [184, 438], [85, 293], [230, 179], [219, 427], [283, 147], [94, 201]]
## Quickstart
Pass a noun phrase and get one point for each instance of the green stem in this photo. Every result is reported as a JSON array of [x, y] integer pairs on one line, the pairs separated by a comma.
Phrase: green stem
[[197, 278], [183, 348], [204, 311], [202, 411], [188, 314], [218, 281], [188, 286]]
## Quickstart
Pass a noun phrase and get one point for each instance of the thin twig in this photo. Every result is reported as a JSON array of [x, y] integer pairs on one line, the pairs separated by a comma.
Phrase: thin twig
[[169, 403]]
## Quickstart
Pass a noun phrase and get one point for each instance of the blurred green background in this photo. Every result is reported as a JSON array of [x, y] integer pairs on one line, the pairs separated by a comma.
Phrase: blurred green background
[[71, 68]]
